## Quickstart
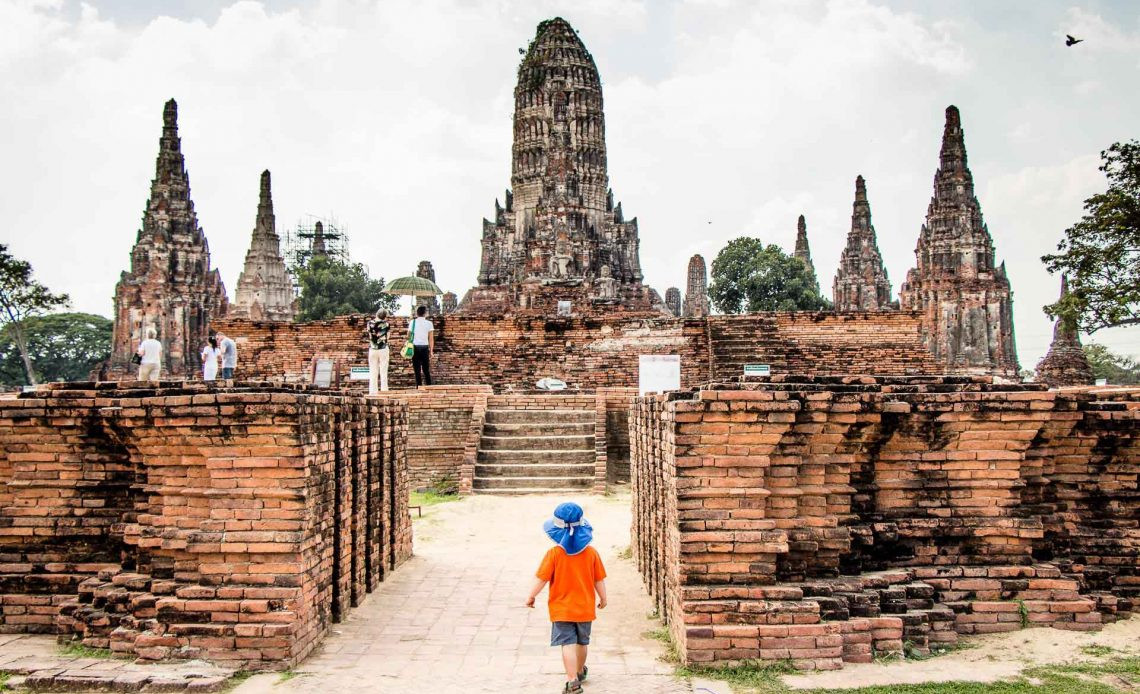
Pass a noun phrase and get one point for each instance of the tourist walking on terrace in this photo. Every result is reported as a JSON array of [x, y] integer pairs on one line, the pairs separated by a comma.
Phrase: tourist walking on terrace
[[423, 345], [150, 351], [210, 355], [229, 355], [575, 573], [378, 329]]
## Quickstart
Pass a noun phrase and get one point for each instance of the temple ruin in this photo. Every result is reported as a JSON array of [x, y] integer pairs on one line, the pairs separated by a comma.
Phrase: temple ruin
[[559, 236], [265, 286], [861, 282], [1065, 364], [964, 296], [696, 289], [673, 301], [170, 285], [426, 271]]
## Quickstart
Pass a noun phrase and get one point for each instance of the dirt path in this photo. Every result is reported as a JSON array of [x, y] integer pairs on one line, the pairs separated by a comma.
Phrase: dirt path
[[452, 620]]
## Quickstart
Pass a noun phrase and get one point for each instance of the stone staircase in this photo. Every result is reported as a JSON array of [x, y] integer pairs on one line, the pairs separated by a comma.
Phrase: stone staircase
[[741, 340], [531, 451]]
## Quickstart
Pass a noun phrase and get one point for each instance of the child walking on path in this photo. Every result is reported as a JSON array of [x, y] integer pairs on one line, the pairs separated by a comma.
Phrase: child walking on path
[[575, 573]]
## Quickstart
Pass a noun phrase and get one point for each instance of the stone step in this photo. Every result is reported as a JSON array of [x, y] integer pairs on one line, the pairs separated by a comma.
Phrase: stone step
[[537, 457], [534, 470], [576, 482], [540, 429], [540, 416], [517, 491], [575, 442]]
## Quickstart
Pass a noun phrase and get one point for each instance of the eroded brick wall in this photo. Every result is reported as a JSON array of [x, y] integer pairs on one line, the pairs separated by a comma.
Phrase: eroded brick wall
[[183, 520], [826, 519], [512, 353]]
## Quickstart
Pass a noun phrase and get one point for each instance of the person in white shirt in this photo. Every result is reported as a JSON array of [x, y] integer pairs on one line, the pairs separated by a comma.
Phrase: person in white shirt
[[150, 350], [210, 357], [423, 345]]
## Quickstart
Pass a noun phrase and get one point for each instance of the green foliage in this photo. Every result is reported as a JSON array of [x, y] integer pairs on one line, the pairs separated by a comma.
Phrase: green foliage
[[76, 649], [21, 298], [755, 676], [1117, 369], [1097, 650], [1101, 253], [748, 276], [1023, 614], [331, 288], [61, 346], [431, 498]]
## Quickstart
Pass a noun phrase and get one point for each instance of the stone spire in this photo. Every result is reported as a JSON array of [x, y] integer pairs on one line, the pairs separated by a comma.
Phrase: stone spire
[[170, 285], [317, 246], [425, 270], [560, 225], [861, 282], [265, 287], [803, 252], [964, 296], [697, 289], [1065, 364], [673, 300]]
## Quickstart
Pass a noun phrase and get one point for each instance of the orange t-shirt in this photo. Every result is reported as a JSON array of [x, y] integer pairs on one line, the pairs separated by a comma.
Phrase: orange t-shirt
[[572, 580]]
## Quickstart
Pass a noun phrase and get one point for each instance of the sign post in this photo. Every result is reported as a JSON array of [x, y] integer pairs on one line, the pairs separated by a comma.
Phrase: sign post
[[658, 373], [757, 370]]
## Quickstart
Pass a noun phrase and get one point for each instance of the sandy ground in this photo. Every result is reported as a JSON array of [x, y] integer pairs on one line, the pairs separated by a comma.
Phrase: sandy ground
[[986, 658]]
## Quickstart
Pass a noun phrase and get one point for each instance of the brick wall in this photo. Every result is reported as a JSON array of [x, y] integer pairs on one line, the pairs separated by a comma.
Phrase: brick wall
[[590, 352], [826, 519], [183, 520]]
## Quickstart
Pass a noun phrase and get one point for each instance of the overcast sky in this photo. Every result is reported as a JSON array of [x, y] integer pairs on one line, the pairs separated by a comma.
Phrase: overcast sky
[[724, 118]]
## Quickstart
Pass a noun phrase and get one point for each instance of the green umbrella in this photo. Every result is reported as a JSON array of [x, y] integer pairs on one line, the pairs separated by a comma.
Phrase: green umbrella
[[412, 286]]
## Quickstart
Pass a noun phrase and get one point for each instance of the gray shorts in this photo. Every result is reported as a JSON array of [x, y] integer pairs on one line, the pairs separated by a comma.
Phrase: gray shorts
[[570, 633]]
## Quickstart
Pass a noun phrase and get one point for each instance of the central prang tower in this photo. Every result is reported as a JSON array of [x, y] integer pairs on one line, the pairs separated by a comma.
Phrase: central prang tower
[[559, 235]]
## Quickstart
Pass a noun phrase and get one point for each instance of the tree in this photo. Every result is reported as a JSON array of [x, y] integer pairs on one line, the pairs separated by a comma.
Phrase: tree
[[1117, 369], [1101, 253], [62, 347], [330, 288], [748, 276], [22, 298]]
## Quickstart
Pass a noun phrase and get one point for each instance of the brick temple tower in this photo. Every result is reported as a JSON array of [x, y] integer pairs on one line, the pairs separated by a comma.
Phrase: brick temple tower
[[559, 236], [1065, 364], [673, 300], [697, 289], [425, 270], [861, 282], [803, 251], [265, 287], [965, 297], [170, 285]]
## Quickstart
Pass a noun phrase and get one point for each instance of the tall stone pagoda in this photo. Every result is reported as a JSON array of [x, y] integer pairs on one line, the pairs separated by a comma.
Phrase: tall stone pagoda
[[673, 301], [425, 270], [696, 289], [559, 236], [1065, 364], [803, 251], [265, 287], [965, 297], [861, 282], [170, 285]]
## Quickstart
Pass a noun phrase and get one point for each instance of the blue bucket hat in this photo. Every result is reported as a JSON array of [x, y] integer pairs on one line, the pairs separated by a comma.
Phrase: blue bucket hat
[[568, 529]]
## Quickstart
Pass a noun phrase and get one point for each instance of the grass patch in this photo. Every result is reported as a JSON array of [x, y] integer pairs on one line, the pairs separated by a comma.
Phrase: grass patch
[[4, 681], [431, 498], [671, 654], [1097, 651], [76, 649], [287, 675], [626, 553], [751, 676], [1023, 612], [236, 679]]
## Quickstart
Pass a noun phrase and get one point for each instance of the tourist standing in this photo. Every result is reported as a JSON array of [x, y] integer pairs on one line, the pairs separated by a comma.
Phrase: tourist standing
[[575, 573], [423, 346], [210, 355], [378, 329], [229, 355], [150, 351]]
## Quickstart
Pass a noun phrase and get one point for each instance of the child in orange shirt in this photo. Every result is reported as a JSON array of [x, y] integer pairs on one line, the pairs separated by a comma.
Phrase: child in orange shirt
[[575, 572]]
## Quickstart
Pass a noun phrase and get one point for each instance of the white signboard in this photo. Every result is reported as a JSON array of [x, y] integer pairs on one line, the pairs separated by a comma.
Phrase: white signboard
[[658, 373], [1102, 381], [358, 373], [757, 370], [564, 308], [323, 372]]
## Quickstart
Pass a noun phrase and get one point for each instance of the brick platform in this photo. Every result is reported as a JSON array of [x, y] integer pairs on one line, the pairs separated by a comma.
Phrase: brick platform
[[792, 518], [180, 520]]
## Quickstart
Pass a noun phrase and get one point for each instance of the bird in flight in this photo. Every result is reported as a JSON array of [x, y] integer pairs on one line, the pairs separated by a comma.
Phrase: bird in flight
[[1070, 41]]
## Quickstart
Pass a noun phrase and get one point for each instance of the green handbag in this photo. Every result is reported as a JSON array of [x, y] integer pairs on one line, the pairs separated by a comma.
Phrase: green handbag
[[409, 349]]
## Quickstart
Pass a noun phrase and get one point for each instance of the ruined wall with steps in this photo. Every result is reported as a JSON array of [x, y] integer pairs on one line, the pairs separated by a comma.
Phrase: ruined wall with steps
[[178, 520], [825, 520], [512, 353]]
